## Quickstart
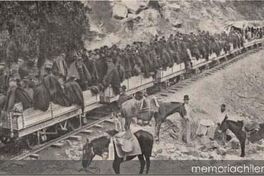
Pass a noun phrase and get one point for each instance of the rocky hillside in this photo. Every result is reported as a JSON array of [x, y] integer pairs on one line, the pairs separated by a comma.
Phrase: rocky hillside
[[111, 20]]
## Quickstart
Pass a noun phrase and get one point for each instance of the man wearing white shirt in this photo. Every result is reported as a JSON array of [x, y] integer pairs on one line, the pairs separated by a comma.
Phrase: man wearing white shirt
[[219, 136]]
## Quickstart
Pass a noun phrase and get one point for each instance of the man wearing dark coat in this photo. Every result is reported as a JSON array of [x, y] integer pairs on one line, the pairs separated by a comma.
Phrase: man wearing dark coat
[[27, 69], [126, 56], [54, 87], [41, 97], [74, 92], [78, 68], [15, 95], [60, 66], [90, 64], [3, 79], [112, 77]]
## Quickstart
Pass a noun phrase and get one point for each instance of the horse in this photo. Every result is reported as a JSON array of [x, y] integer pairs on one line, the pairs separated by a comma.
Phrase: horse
[[166, 109], [100, 145], [131, 108], [237, 128]]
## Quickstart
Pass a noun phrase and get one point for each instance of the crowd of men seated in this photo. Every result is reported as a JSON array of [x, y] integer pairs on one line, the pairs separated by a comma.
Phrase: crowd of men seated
[[63, 78], [252, 33]]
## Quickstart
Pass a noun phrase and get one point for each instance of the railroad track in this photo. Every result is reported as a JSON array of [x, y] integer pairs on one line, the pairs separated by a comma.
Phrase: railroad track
[[95, 124], [180, 85], [54, 141]]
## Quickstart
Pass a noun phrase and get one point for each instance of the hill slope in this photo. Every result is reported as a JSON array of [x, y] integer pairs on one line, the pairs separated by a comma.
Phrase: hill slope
[[109, 19]]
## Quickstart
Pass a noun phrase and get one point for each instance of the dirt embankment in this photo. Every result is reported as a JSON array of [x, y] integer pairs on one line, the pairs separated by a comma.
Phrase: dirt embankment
[[240, 87]]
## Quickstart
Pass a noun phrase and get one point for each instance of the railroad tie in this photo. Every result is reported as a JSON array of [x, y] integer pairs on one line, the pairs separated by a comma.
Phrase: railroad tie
[[34, 156], [164, 95], [58, 145], [174, 89], [98, 126], [86, 131], [170, 91]]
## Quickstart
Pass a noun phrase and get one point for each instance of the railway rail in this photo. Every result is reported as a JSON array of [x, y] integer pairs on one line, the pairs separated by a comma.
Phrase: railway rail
[[101, 123]]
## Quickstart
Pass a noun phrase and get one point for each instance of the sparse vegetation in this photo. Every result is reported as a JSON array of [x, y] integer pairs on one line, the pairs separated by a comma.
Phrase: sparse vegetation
[[42, 29]]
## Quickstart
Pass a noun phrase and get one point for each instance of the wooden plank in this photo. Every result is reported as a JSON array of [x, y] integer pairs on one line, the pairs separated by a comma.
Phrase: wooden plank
[[164, 95], [89, 98], [98, 126], [125, 83], [58, 145], [172, 76], [35, 156], [87, 131]]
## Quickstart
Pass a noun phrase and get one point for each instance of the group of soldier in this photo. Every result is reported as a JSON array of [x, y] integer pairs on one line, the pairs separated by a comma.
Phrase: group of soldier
[[68, 74], [253, 33]]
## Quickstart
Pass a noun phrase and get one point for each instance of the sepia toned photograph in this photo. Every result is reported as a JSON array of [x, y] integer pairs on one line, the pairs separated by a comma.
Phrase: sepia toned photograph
[[129, 87]]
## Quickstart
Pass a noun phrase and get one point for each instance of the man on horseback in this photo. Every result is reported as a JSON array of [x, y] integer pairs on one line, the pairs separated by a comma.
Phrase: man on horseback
[[125, 139], [223, 138]]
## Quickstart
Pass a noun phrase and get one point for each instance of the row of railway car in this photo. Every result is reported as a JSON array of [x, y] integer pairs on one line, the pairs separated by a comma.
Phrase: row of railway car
[[35, 126]]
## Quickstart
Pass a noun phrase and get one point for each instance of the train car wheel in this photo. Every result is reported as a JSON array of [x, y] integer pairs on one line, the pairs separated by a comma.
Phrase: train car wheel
[[73, 124], [6, 140], [30, 140]]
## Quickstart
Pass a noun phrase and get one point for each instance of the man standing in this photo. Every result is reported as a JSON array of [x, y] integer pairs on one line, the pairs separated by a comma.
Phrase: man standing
[[186, 121], [122, 97]]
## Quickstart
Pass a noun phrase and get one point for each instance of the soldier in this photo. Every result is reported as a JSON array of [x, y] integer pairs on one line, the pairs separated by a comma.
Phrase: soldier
[[3, 79], [74, 92], [16, 95], [25, 84], [54, 87], [78, 69], [27, 68]]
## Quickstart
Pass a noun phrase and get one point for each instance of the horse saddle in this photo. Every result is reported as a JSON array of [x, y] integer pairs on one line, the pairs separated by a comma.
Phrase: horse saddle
[[124, 141], [149, 104], [126, 144], [250, 127], [145, 105]]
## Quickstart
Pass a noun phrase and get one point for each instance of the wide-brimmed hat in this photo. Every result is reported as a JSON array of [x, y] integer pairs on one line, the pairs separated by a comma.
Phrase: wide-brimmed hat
[[139, 95], [123, 87], [186, 97]]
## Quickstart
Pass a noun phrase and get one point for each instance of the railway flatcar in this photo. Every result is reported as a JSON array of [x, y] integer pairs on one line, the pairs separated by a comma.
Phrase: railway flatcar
[[33, 126]]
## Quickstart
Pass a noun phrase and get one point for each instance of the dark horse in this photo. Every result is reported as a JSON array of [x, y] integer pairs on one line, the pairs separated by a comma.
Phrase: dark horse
[[100, 145], [237, 128], [165, 109]]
